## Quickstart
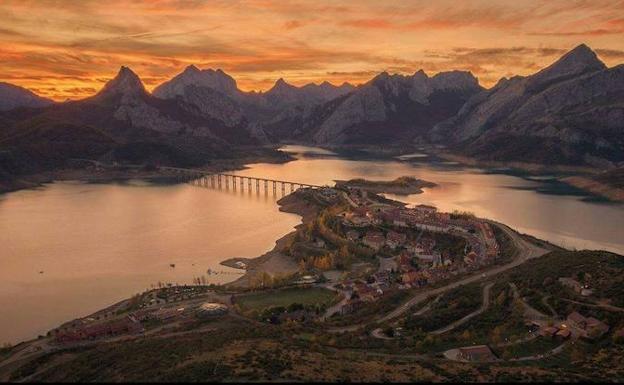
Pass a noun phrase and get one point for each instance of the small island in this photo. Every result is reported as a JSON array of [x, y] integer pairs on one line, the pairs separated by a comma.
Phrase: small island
[[404, 185]]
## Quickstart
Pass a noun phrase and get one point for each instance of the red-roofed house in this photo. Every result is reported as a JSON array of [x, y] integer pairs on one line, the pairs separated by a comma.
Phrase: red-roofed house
[[374, 239], [394, 239], [476, 353]]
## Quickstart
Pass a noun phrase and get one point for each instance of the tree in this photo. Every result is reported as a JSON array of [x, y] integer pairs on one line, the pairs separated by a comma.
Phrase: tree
[[496, 334]]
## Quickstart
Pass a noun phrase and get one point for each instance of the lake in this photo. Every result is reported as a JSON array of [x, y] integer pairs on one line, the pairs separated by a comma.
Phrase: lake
[[71, 248]]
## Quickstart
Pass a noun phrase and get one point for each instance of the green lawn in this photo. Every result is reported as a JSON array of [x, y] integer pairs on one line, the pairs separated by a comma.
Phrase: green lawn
[[270, 298]]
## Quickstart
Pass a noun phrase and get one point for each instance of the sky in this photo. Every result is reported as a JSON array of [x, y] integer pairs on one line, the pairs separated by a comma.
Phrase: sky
[[66, 49]]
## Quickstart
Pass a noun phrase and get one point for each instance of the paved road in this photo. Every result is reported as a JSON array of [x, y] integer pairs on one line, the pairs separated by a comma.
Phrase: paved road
[[484, 306], [336, 308], [527, 251]]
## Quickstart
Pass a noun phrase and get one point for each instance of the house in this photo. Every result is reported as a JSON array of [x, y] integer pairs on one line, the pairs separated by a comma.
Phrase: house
[[564, 333], [471, 258], [374, 239], [415, 278], [358, 220], [548, 331], [590, 327], [93, 331], [577, 320], [476, 353], [586, 292], [366, 293], [415, 247], [381, 277], [596, 328], [426, 209], [393, 216], [394, 239], [404, 260], [166, 314]]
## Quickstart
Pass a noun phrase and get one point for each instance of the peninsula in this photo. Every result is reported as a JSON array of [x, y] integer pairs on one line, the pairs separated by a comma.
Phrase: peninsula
[[404, 185]]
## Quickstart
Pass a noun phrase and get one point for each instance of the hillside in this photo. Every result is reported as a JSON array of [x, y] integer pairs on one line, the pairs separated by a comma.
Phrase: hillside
[[568, 113], [235, 348]]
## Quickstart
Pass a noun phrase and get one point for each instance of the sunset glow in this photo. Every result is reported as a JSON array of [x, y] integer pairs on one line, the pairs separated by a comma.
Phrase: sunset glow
[[68, 49]]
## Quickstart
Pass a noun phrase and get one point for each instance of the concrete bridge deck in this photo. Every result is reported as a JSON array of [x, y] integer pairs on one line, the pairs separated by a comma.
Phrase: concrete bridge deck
[[218, 179]]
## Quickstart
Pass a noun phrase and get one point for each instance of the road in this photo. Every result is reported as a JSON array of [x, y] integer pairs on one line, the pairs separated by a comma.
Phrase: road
[[526, 252], [484, 306], [604, 306], [529, 311]]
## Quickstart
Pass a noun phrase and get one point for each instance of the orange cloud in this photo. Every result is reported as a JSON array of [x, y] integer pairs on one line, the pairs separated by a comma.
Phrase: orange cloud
[[68, 49]]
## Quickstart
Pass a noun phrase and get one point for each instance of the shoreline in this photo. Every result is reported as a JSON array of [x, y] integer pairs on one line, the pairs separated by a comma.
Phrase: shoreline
[[613, 194], [91, 174], [274, 261], [400, 186]]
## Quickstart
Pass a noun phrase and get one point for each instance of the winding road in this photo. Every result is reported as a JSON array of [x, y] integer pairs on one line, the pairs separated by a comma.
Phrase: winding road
[[526, 252]]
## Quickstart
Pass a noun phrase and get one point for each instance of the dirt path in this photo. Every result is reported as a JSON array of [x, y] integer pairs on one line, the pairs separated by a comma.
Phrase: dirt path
[[596, 305], [553, 312], [529, 311]]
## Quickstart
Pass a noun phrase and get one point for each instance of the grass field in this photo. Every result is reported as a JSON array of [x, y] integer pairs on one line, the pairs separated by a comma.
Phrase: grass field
[[305, 296]]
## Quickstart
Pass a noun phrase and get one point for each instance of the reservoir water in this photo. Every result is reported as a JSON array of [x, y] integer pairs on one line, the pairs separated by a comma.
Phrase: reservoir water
[[71, 248]]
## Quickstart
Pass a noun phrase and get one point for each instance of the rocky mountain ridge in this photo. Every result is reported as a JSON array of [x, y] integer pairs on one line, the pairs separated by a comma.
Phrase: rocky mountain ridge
[[571, 112]]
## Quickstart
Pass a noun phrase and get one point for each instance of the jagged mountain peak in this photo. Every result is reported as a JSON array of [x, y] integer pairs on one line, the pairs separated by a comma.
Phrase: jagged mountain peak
[[577, 61], [420, 74], [282, 83], [217, 80], [191, 69], [281, 86], [581, 57], [125, 83]]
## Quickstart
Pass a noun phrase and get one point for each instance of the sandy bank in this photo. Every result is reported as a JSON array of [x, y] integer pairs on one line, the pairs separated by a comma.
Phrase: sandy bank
[[275, 261]]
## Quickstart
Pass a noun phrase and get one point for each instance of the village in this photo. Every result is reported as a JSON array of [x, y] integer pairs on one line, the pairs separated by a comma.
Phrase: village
[[403, 240]]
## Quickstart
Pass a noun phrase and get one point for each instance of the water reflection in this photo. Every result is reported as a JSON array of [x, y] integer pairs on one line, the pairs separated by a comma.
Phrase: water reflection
[[97, 244]]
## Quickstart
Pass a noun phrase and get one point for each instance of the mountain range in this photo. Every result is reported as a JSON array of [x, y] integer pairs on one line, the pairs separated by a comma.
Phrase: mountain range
[[571, 112]]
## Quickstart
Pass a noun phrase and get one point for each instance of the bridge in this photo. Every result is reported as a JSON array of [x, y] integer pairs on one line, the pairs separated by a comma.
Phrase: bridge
[[219, 180]]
